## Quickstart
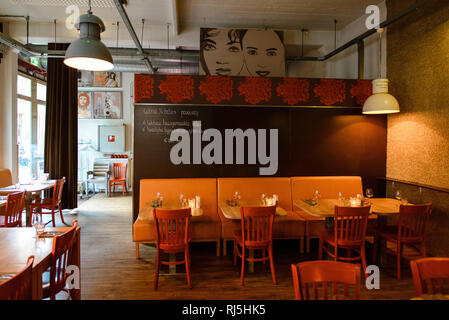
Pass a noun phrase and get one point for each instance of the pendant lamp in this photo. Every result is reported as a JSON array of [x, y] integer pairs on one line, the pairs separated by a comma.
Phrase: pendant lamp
[[88, 52], [381, 102]]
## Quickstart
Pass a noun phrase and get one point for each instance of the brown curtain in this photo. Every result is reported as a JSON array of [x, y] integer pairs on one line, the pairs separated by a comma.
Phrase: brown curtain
[[61, 125]]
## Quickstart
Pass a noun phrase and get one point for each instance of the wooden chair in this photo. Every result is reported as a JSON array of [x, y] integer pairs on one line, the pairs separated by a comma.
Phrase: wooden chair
[[411, 230], [172, 236], [54, 279], [119, 177], [99, 175], [349, 233], [256, 234], [430, 273], [53, 204], [20, 286], [330, 274], [13, 212]]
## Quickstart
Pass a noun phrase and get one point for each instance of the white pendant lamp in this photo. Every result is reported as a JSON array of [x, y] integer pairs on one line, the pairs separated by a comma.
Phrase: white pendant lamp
[[381, 102], [88, 52]]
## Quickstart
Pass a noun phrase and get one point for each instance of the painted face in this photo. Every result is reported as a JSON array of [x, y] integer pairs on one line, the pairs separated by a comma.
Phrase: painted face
[[222, 52], [83, 100], [264, 53]]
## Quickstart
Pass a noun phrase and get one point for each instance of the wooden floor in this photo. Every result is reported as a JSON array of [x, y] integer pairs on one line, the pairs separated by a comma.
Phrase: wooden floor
[[111, 271]]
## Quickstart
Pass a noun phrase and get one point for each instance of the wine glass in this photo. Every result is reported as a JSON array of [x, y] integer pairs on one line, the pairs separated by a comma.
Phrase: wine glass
[[38, 223], [369, 194], [263, 198], [398, 195]]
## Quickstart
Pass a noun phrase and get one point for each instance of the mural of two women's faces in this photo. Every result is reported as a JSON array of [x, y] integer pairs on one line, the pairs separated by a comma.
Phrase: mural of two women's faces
[[234, 52]]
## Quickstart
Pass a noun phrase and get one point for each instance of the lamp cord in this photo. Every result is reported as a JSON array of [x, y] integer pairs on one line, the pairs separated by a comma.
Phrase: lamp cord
[[90, 8], [380, 31]]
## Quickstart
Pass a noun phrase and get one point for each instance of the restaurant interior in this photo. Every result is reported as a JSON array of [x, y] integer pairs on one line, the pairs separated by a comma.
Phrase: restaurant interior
[[224, 150]]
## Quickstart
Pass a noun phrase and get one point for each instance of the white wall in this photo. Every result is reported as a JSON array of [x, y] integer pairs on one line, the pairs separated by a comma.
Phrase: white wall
[[88, 128], [8, 111]]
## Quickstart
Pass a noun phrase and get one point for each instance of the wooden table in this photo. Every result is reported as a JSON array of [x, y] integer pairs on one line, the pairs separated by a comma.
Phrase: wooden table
[[20, 243], [325, 208], [235, 213], [29, 189], [432, 297]]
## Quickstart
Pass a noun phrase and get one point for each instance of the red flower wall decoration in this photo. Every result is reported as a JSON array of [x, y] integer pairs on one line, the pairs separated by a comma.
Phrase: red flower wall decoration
[[361, 91], [177, 88], [217, 88], [293, 90], [331, 91], [255, 89], [143, 87]]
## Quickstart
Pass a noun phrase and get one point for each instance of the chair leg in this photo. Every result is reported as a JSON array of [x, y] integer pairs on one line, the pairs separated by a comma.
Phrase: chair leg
[[53, 217], [301, 245], [423, 249], [363, 257], [320, 249], [242, 272], [156, 274], [398, 260], [137, 250], [375, 248], [126, 187], [224, 247], [123, 189], [218, 247], [60, 212], [270, 254], [235, 253], [187, 262]]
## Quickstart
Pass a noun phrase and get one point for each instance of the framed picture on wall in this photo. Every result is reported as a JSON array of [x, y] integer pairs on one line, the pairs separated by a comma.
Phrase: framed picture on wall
[[107, 105], [107, 79], [84, 105], [85, 78]]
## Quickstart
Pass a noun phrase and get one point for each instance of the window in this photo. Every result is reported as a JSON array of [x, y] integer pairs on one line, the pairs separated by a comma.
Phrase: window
[[31, 110]]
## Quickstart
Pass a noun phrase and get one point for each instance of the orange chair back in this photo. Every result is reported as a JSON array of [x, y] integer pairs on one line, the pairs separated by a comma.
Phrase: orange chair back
[[350, 225], [57, 190], [19, 287], [413, 222], [257, 225], [172, 228], [430, 276], [61, 258], [119, 170], [332, 275], [14, 207]]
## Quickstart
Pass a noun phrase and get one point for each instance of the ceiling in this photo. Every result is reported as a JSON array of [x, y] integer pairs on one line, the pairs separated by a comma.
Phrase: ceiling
[[276, 14]]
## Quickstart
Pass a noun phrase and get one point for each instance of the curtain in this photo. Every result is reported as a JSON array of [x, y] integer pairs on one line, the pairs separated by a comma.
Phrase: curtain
[[61, 125]]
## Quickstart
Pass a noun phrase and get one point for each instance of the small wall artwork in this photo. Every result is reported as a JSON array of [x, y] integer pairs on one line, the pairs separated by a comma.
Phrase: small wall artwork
[[84, 105], [85, 78], [107, 105], [107, 79]]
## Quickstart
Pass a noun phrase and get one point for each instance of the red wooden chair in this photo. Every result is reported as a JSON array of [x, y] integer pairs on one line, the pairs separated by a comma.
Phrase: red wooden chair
[[411, 230], [172, 236], [330, 274], [119, 177], [53, 204], [20, 286], [349, 233], [430, 273], [256, 234], [54, 279], [13, 211]]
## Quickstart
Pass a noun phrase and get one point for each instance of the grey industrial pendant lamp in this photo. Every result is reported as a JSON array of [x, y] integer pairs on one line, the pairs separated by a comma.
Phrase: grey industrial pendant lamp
[[88, 52]]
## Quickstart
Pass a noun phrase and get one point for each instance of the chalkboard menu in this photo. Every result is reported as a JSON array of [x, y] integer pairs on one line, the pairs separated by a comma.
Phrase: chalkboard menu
[[311, 141]]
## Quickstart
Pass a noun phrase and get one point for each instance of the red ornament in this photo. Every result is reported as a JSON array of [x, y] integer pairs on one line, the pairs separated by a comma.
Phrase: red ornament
[[177, 88], [255, 89], [331, 91], [217, 88], [144, 84], [361, 91], [293, 90]]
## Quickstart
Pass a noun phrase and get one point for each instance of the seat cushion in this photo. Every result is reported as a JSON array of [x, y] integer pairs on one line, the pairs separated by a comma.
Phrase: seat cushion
[[202, 228]]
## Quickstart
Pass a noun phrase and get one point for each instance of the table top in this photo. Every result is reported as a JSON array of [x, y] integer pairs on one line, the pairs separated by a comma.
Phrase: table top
[[20, 243], [235, 211], [325, 207], [147, 212], [36, 187], [432, 297]]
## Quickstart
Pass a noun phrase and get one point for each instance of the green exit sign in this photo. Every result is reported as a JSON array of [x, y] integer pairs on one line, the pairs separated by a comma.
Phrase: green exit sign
[[35, 62]]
